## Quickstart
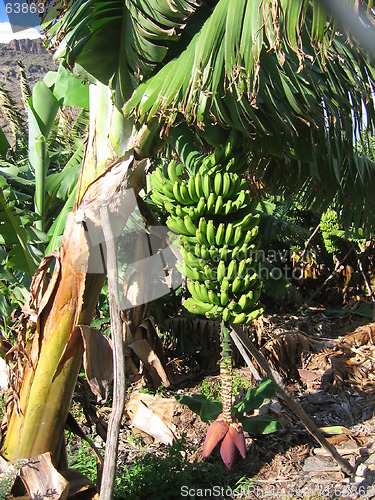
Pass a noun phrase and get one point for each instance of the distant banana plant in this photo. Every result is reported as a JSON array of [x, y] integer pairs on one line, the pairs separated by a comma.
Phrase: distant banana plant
[[38, 182], [213, 213]]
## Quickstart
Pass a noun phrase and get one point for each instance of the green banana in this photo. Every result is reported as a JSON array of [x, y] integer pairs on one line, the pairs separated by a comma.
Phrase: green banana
[[237, 319], [209, 272], [228, 207], [214, 251], [177, 225], [190, 272], [254, 315], [171, 170], [191, 189], [177, 193], [213, 298], [251, 235], [245, 204], [192, 213], [224, 252], [198, 182], [211, 202], [205, 253], [157, 199], [237, 235], [201, 205], [184, 192], [226, 184], [218, 205], [224, 297], [221, 271], [210, 284], [226, 315], [228, 234], [206, 182], [225, 284], [220, 233], [189, 258], [159, 182], [210, 232], [232, 305], [218, 183], [242, 268], [240, 199], [248, 222], [180, 211], [197, 307], [189, 224], [235, 252], [197, 250], [214, 313], [237, 283], [243, 302], [204, 293], [201, 237], [191, 288], [243, 251], [202, 225], [232, 269]]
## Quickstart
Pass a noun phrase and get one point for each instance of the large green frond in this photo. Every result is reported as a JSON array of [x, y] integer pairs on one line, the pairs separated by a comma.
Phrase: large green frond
[[130, 38], [281, 73]]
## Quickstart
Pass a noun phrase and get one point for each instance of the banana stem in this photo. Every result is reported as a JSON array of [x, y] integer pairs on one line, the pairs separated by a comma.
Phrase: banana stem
[[226, 374]]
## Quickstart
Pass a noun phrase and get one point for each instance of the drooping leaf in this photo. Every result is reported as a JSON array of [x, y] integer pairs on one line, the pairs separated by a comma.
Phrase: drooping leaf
[[67, 88], [139, 34], [193, 402], [300, 86], [255, 397]]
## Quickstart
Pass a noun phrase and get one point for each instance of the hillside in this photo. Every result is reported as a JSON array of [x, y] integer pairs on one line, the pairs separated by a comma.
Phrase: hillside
[[37, 62]]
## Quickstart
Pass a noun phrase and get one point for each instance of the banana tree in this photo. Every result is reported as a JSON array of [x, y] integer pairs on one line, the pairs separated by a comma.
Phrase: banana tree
[[51, 333], [280, 72]]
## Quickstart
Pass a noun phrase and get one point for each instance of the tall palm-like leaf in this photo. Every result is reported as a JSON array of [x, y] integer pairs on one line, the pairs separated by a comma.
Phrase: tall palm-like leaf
[[279, 72]]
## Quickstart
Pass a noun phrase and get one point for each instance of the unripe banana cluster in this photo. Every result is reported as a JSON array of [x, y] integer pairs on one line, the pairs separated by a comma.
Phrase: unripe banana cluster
[[212, 213]]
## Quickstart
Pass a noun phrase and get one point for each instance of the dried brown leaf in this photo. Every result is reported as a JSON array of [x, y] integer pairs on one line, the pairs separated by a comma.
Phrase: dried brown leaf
[[147, 421], [161, 406], [97, 361], [42, 480], [152, 363], [361, 336], [42, 287], [79, 485]]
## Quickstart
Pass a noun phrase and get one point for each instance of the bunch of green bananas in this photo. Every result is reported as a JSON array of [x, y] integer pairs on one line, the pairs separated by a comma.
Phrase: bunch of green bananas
[[212, 213]]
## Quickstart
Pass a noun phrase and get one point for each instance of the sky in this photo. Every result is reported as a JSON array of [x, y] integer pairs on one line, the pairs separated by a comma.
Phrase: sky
[[6, 34]]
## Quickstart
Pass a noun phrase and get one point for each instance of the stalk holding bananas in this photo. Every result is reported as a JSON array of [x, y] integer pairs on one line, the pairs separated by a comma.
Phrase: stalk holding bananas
[[212, 213]]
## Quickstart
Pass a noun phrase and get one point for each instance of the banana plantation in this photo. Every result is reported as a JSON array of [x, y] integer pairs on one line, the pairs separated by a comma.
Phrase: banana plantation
[[187, 266]]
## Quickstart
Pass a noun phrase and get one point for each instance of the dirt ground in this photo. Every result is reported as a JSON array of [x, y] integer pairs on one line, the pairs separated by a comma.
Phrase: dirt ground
[[327, 363]]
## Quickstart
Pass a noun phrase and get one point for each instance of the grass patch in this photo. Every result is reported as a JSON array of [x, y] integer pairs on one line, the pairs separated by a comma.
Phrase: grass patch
[[80, 456], [164, 475]]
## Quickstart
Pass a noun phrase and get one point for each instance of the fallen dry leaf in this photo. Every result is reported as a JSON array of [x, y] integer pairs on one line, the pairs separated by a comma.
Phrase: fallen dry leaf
[[152, 363], [42, 480], [97, 361]]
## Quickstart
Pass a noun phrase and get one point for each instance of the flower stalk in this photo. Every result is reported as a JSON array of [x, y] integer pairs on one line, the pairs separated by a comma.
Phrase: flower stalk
[[224, 431]]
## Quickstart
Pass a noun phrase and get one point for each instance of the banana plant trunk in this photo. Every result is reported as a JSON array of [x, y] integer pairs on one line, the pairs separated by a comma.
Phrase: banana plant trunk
[[40, 404]]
